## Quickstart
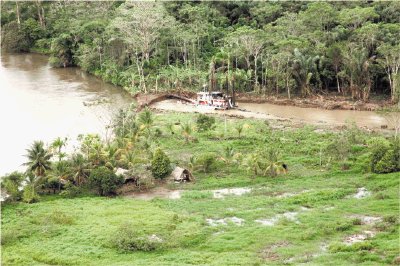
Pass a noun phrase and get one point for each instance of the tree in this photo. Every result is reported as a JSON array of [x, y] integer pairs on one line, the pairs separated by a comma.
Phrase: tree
[[334, 53], [104, 180], [303, 69], [58, 144], [271, 162], [390, 61], [33, 182], [62, 51], [79, 168], [38, 159], [146, 119], [355, 17], [357, 65], [139, 25], [12, 184], [160, 165], [205, 122], [248, 43]]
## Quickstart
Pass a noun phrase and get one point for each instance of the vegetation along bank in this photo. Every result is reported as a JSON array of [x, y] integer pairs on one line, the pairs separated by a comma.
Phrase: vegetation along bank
[[282, 49]]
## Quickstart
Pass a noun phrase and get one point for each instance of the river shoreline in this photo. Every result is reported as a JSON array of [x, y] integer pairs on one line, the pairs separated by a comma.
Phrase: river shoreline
[[330, 102]]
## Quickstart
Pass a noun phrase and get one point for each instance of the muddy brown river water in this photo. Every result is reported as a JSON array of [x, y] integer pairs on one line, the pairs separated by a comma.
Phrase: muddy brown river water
[[38, 102]]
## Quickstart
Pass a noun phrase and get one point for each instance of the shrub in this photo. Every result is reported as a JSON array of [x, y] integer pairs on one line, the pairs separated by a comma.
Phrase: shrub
[[53, 183], [13, 38], [9, 236], [205, 122], [128, 239], [385, 158], [70, 190], [11, 184], [206, 162], [160, 165], [104, 180], [30, 195], [386, 164]]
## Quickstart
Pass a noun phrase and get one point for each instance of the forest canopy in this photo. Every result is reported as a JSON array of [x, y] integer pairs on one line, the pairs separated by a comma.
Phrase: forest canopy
[[267, 48]]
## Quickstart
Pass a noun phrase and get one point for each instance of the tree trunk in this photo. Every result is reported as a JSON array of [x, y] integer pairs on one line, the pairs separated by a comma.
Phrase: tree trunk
[[39, 11], [18, 15]]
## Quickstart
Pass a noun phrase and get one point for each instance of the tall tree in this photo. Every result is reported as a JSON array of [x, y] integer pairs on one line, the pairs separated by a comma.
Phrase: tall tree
[[139, 25], [38, 159]]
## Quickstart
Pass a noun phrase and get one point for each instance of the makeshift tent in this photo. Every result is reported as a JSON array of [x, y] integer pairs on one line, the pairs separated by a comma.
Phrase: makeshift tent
[[181, 175]]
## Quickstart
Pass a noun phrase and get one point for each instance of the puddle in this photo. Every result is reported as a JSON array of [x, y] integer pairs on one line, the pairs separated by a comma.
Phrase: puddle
[[291, 216], [357, 238], [159, 192], [268, 222], [289, 194], [362, 193], [221, 193], [215, 222]]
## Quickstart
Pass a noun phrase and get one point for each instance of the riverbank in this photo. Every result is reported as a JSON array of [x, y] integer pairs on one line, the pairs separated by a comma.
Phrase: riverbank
[[329, 102]]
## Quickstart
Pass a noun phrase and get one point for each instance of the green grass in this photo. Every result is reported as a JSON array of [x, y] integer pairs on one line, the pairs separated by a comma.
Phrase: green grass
[[79, 231]]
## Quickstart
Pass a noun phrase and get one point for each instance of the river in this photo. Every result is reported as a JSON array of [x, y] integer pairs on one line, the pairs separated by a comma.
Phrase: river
[[38, 102]]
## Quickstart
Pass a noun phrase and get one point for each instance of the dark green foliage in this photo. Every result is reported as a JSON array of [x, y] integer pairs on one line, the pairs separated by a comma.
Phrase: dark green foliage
[[160, 165], [205, 122], [13, 39], [104, 180], [260, 47], [11, 184], [53, 183], [385, 158], [127, 238]]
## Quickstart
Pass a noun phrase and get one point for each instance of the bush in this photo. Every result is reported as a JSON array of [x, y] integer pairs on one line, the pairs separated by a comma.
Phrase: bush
[[385, 158], [207, 162], [11, 184], [128, 239], [53, 183], [70, 190], [9, 236], [13, 38], [105, 180], [205, 122], [160, 165], [30, 195]]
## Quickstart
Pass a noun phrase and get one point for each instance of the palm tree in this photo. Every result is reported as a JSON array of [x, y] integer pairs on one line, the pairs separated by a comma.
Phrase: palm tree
[[187, 130], [239, 128], [273, 166], [38, 159], [303, 69], [59, 172], [80, 168], [33, 182], [146, 119], [58, 144], [252, 162]]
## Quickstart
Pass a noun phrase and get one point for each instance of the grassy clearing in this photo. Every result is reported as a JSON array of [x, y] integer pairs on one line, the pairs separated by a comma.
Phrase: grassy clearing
[[313, 208]]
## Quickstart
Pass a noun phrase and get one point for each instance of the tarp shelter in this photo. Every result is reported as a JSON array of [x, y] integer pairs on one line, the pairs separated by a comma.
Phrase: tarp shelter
[[181, 175]]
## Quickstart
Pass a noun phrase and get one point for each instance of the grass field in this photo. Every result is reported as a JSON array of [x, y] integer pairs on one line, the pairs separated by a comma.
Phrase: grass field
[[316, 214]]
